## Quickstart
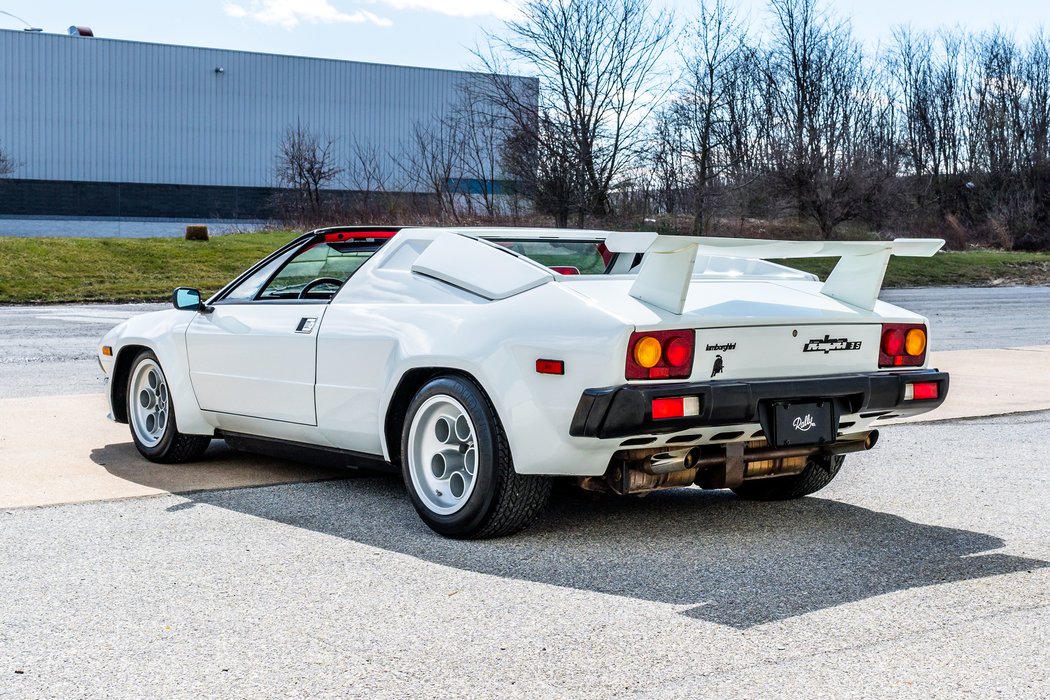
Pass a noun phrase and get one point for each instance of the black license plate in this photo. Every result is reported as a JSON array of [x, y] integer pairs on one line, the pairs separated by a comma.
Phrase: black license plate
[[803, 423]]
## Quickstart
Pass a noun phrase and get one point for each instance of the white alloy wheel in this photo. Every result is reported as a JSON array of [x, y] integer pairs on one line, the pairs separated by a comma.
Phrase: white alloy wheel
[[150, 405], [442, 454]]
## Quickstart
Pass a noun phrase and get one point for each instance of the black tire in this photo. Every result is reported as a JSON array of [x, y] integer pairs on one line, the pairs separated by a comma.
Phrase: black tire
[[172, 447], [502, 501], [818, 473]]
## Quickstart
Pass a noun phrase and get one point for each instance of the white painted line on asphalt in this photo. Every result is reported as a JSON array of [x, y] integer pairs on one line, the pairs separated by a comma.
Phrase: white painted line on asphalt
[[88, 319]]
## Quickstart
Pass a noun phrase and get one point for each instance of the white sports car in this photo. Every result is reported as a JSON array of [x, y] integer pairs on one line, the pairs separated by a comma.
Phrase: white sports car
[[484, 362]]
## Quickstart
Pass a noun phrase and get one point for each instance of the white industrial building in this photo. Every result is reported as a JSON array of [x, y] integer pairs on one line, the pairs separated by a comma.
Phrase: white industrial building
[[104, 128]]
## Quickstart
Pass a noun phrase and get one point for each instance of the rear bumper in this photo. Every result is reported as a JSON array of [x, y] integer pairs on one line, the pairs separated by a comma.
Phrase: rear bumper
[[622, 411]]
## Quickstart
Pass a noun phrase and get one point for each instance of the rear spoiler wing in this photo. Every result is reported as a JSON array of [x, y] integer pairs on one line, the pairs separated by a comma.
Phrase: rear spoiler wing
[[667, 267]]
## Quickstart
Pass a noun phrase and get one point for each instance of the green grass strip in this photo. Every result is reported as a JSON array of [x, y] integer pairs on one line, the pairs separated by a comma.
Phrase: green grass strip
[[52, 270]]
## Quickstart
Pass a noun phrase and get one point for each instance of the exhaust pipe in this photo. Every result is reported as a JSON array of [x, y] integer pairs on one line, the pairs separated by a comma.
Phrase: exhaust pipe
[[645, 470], [673, 461], [841, 448], [667, 462], [767, 453]]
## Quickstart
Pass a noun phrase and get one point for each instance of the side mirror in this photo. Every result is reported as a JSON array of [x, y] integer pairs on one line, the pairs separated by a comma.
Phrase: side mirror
[[186, 299]]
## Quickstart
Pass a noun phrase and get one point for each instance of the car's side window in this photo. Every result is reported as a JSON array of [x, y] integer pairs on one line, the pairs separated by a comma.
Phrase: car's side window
[[249, 288], [317, 272]]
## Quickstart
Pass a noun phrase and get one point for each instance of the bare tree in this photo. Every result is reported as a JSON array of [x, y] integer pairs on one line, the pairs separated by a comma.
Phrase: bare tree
[[482, 127], [1006, 138], [366, 169], [665, 158], [932, 73], [7, 163], [702, 106], [369, 178], [430, 160], [596, 63], [306, 165], [540, 161], [911, 62], [821, 94]]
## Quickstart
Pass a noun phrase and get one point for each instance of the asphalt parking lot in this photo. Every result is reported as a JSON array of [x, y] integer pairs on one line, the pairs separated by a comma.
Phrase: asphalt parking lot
[[922, 571]]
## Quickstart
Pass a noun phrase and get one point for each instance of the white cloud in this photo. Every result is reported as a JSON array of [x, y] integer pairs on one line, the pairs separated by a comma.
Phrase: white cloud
[[289, 13], [501, 9]]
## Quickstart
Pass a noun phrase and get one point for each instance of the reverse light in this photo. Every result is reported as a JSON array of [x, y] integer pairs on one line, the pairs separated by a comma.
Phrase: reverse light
[[660, 354], [921, 391], [903, 345], [676, 407]]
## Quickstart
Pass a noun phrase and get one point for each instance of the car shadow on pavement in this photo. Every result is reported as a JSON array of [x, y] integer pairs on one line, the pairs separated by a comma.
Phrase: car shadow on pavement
[[219, 467], [731, 562]]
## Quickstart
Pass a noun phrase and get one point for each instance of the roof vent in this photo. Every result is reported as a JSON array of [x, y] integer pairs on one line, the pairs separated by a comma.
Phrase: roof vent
[[81, 31]]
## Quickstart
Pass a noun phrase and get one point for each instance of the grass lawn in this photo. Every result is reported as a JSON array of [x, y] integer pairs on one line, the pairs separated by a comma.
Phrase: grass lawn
[[147, 269], [124, 269], [974, 268]]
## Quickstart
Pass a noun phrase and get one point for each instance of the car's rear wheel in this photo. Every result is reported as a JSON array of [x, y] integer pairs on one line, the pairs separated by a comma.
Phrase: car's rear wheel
[[818, 473], [152, 416], [457, 464]]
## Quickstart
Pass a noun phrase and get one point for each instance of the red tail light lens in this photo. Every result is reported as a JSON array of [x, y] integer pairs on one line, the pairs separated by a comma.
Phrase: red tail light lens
[[893, 341], [921, 391], [679, 352], [661, 354], [676, 407], [903, 345]]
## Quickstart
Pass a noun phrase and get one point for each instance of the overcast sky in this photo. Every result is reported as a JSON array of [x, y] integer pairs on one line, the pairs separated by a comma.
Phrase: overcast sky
[[435, 33]]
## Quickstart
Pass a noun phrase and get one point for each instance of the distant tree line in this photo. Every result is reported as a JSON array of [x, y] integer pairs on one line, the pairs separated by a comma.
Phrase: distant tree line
[[943, 133], [792, 124], [449, 168]]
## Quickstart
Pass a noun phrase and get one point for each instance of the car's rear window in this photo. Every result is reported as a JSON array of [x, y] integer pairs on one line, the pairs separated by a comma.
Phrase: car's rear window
[[566, 257]]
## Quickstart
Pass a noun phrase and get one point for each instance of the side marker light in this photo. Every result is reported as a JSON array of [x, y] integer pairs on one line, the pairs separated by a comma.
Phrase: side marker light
[[550, 366]]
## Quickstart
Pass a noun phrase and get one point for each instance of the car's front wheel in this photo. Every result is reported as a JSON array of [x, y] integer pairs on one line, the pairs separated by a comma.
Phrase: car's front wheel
[[457, 464], [152, 415]]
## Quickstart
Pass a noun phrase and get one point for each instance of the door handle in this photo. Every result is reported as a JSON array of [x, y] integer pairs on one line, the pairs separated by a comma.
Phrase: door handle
[[306, 325]]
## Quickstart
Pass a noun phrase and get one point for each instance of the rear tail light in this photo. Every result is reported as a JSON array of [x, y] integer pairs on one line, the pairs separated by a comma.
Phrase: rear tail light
[[661, 354], [903, 345], [676, 407], [648, 352], [921, 391], [679, 352]]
